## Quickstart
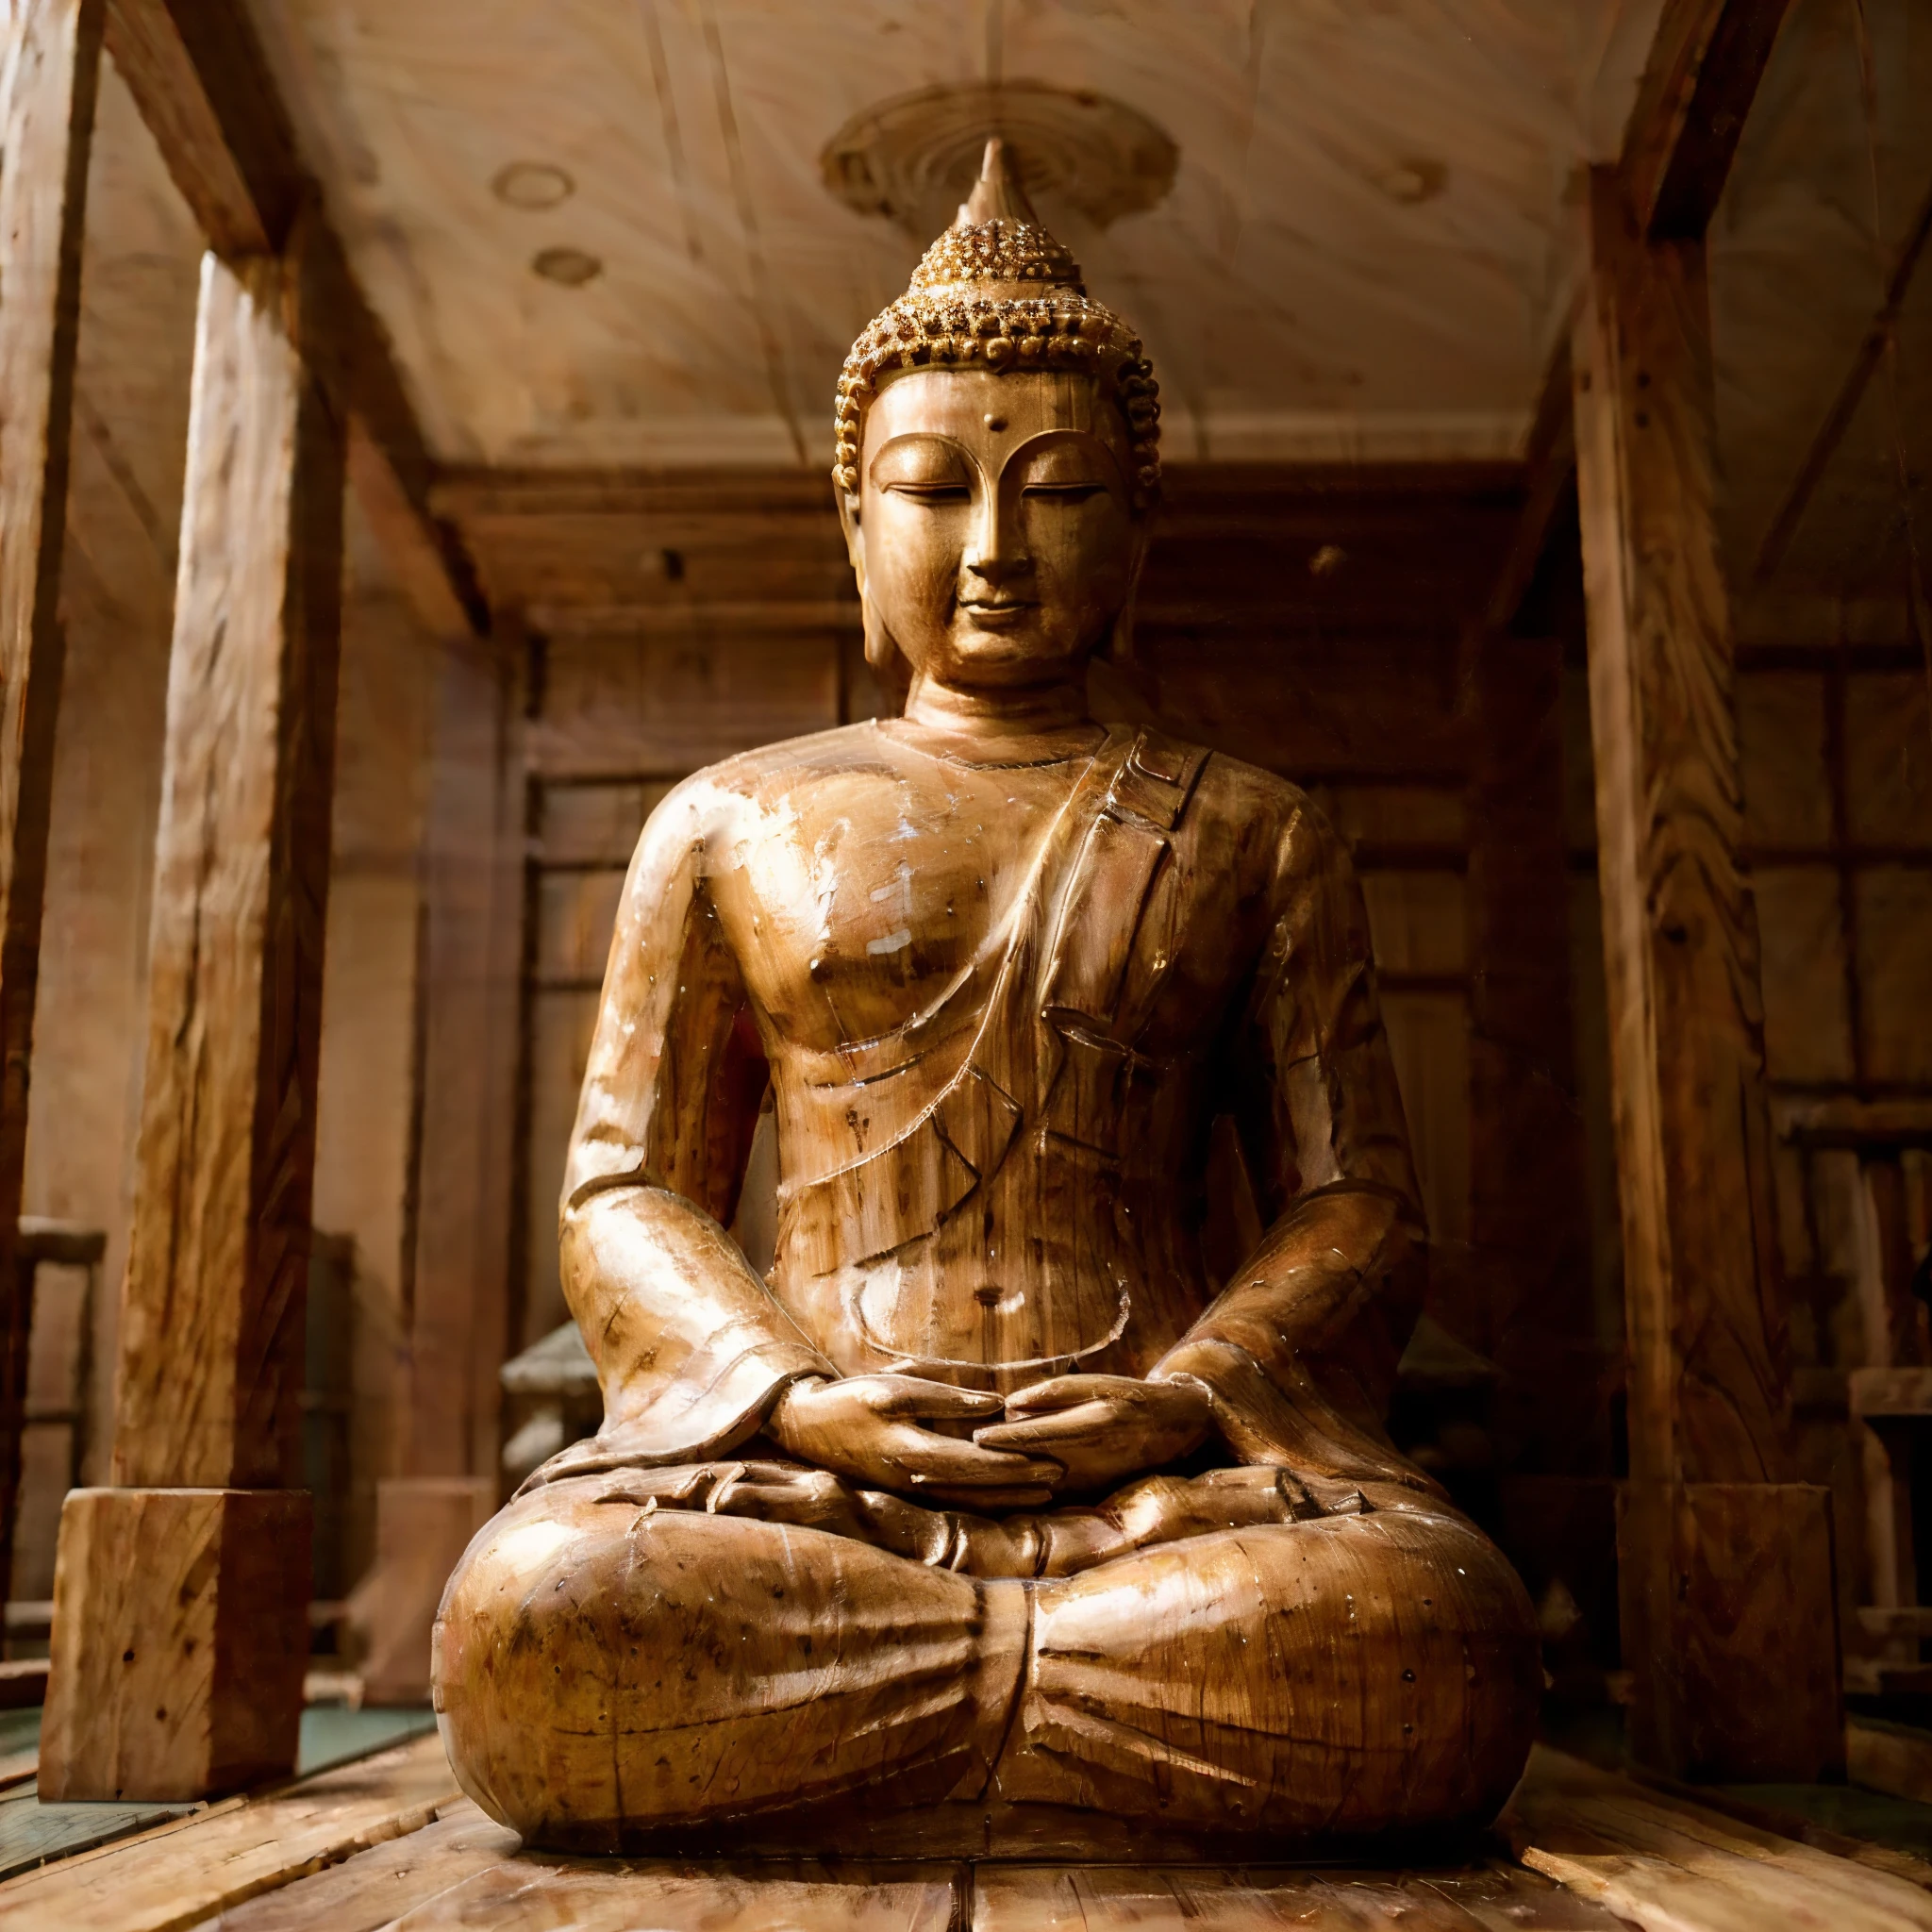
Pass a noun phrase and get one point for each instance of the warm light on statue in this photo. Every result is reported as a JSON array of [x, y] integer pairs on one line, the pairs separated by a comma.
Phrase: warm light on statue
[[990, 1492]]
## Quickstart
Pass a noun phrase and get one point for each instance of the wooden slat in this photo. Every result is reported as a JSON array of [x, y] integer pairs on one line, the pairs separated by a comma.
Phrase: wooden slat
[[197, 73], [184, 1873], [1842, 1121], [1709, 1403], [1670, 1866], [1100, 1898], [1704, 68], [534, 1894], [46, 129], [377, 1885]]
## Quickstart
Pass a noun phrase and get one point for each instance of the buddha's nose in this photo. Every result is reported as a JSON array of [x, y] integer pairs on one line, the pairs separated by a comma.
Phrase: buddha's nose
[[996, 552]]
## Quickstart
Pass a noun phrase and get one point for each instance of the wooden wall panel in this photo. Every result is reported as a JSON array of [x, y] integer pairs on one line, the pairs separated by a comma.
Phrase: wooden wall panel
[[1808, 1022]]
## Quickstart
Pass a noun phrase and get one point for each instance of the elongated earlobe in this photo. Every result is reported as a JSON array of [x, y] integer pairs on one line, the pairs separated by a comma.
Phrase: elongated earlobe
[[887, 661]]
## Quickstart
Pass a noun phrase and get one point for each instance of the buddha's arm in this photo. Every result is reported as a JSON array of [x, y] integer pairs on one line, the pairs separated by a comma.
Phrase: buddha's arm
[[1299, 1351], [689, 1346]]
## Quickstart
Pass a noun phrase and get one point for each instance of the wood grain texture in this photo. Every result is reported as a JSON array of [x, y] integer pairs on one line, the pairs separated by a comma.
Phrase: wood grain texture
[[180, 1620], [532, 1894], [185, 1873], [1705, 1300], [1667, 1865], [380, 1884], [1703, 1295], [1205, 1898], [49, 75], [212, 1312], [1704, 68]]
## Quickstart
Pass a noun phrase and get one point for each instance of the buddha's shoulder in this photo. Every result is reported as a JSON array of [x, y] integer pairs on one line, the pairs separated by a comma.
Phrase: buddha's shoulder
[[769, 775], [1263, 805]]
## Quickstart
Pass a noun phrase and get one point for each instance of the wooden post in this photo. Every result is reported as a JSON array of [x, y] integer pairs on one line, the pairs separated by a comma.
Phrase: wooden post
[[48, 76], [1729, 1613], [181, 1594], [1529, 1200], [457, 1268]]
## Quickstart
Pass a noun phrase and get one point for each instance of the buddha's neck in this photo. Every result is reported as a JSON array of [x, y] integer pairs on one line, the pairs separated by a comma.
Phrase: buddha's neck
[[997, 717]]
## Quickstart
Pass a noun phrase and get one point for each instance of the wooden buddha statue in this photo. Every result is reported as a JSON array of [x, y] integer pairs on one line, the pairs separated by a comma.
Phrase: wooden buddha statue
[[989, 1493]]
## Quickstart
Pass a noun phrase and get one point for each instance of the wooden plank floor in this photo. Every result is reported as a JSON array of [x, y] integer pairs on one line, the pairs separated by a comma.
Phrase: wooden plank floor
[[386, 1841]]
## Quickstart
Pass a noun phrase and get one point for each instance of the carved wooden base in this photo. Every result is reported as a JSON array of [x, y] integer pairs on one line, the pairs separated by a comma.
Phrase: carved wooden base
[[1730, 1627], [179, 1640], [422, 1526]]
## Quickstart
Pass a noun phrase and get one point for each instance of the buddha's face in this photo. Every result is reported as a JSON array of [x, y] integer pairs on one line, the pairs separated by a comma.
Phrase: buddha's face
[[994, 532]]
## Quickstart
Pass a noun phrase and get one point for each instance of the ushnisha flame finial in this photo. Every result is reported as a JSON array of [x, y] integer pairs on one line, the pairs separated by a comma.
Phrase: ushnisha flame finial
[[996, 290]]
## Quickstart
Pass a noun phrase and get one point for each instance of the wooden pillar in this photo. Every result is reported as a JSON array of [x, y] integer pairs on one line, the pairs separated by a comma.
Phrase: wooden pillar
[[457, 1271], [48, 76], [1529, 1201], [180, 1618], [1729, 1613]]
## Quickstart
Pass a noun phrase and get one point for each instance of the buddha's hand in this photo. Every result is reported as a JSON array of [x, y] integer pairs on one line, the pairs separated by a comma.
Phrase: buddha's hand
[[1103, 1428], [868, 1427]]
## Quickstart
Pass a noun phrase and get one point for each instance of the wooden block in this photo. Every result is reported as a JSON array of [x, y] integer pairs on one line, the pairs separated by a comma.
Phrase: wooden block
[[1205, 1898], [1730, 1625], [1889, 1391], [180, 1634], [182, 1874], [422, 1526], [545, 1895], [378, 1886], [1667, 1865], [1889, 1757]]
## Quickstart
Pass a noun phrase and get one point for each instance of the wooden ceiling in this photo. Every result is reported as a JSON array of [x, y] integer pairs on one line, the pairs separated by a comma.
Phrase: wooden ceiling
[[1366, 254]]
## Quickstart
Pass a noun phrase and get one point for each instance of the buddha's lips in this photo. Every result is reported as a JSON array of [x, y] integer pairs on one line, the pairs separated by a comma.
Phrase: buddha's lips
[[996, 612]]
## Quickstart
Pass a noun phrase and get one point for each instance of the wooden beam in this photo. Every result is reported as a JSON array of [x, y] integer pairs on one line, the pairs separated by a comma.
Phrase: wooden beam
[[212, 1308], [1705, 65], [198, 75], [1710, 1511], [46, 130], [1550, 468]]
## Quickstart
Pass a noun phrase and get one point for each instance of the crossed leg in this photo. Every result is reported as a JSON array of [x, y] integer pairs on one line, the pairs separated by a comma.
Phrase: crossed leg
[[605, 1670]]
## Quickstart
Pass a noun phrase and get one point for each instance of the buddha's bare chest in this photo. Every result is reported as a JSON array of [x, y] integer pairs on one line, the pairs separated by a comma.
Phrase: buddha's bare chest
[[854, 904]]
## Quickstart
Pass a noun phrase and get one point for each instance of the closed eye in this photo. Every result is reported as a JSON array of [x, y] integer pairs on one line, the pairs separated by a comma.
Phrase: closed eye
[[931, 492], [1065, 493]]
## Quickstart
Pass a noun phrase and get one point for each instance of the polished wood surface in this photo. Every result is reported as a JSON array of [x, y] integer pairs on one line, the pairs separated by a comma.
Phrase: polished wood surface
[[383, 1843], [48, 76], [1704, 1292]]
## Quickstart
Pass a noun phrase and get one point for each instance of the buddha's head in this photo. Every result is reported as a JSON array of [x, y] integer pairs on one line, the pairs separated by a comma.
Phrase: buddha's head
[[997, 459]]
